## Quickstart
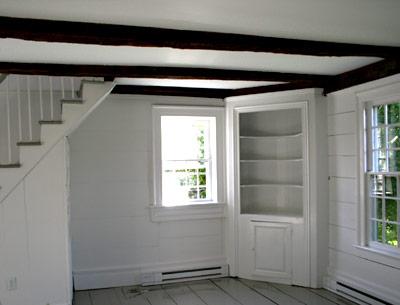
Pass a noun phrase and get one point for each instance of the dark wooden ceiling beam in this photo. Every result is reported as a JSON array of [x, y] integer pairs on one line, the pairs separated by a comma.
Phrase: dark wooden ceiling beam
[[275, 88], [172, 91], [109, 71], [380, 69], [120, 35], [211, 93]]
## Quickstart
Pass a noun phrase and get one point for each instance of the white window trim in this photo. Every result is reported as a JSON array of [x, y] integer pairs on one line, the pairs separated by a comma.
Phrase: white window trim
[[203, 210], [379, 253]]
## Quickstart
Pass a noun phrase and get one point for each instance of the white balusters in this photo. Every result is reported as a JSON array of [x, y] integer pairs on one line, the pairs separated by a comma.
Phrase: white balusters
[[8, 120], [62, 88], [51, 98], [41, 98], [28, 90], [19, 108], [72, 88], [26, 100]]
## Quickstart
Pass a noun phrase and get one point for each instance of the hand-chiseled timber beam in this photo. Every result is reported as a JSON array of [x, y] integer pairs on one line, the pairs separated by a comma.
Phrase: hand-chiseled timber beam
[[211, 93], [172, 91], [279, 87], [109, 71], [380, 69], [121, 35]]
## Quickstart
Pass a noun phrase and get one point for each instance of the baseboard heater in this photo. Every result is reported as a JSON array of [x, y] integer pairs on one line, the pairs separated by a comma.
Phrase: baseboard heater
[[173, 276], [359, 295]]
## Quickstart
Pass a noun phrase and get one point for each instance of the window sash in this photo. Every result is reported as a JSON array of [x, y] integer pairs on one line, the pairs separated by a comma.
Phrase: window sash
[[372, 170], [180, 164]]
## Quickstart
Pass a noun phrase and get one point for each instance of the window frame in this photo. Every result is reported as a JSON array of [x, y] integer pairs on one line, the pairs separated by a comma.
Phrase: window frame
[[200, 111], [367, 248], [370, 170]]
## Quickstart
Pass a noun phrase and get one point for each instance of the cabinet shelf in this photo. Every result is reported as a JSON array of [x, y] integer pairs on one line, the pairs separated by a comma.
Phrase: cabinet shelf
[[273, 215], [271, 185], [271, 137], [271, 160]]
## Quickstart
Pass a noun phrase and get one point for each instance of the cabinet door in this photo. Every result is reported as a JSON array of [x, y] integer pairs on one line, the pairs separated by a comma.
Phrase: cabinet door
[[271, 245]]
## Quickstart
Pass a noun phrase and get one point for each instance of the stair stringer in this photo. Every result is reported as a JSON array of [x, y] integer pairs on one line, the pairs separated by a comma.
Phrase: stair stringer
[[93, 94]]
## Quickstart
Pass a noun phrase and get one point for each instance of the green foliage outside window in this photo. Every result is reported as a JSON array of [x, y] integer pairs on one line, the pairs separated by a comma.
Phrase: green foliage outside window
[[386, 158], [195, 178]]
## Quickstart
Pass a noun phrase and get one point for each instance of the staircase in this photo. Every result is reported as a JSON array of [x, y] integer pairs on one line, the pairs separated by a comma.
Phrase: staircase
[[35, 113]]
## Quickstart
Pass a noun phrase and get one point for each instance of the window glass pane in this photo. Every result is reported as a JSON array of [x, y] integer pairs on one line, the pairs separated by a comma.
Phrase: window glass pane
[[376, 231], [379, 161], [193, 193], [390, 186], [378, 138], [378, 115], [391, 209], [394, 160], [376, 208], [192, 177], [202, 180], [181, 181], [185, 138], [376, 185], [394, 113], [394, 137], [203, 193], [391, 234]]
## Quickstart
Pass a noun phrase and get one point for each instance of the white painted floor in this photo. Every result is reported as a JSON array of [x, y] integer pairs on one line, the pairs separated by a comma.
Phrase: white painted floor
[[224, 291]]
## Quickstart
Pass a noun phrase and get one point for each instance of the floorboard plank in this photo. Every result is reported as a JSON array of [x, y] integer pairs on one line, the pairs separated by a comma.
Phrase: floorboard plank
[[211, 294], [271, 292], [131, 300], [104, 297], [337, 299], [82, 298], [222, 291], [241, 292], [303, 295], [182, 295], [158, 297]]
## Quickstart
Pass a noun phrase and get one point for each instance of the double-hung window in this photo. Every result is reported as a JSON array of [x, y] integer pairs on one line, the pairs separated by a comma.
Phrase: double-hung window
[[188, 143], [382, 174]]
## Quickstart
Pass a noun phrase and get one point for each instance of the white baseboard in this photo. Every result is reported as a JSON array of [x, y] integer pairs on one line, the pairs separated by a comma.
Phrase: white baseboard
[[363, 285], [131, 275]]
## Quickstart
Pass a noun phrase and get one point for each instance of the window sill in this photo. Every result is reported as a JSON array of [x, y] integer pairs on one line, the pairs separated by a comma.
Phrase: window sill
[[195, 211], [379, 256]]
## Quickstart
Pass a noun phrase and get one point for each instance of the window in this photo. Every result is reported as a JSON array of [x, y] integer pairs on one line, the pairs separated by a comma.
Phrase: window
[[382, 163], [187, 155]]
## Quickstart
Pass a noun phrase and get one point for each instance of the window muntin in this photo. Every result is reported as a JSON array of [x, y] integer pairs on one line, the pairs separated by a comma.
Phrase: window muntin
[[187, 152], [383, 174]]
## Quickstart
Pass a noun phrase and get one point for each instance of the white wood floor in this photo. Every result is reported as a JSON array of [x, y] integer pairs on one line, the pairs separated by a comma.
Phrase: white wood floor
[[224, 291]]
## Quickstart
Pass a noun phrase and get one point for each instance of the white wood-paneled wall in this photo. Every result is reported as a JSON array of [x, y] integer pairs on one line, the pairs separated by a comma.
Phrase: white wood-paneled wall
[[111, 192], [346, 262]]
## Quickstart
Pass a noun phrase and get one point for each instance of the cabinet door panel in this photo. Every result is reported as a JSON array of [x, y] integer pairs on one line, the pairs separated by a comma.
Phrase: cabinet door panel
[[272, 249]]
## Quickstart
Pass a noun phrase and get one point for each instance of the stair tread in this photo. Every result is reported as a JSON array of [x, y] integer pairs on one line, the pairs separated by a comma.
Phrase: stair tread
[[50, 122], [29, 143], [72, 100], [11, 165]]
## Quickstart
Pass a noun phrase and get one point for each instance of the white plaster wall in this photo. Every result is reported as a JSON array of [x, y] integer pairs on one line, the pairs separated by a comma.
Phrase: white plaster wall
[[113, 238], [372, 273], [34, 236]]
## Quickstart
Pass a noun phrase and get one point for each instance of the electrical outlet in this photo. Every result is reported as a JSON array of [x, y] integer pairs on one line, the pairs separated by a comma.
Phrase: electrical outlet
[[12, 284]]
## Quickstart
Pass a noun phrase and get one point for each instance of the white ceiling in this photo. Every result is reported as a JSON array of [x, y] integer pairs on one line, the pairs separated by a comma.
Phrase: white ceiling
[[189, 83], [353, 21], [29, 51]]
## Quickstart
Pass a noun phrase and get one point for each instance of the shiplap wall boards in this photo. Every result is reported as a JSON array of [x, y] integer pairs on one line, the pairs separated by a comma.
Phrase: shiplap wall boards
[[111, 191], [116, 242]]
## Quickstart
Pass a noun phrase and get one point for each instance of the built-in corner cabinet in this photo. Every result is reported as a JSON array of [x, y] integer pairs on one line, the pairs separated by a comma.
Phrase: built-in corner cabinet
[[277, 185]]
